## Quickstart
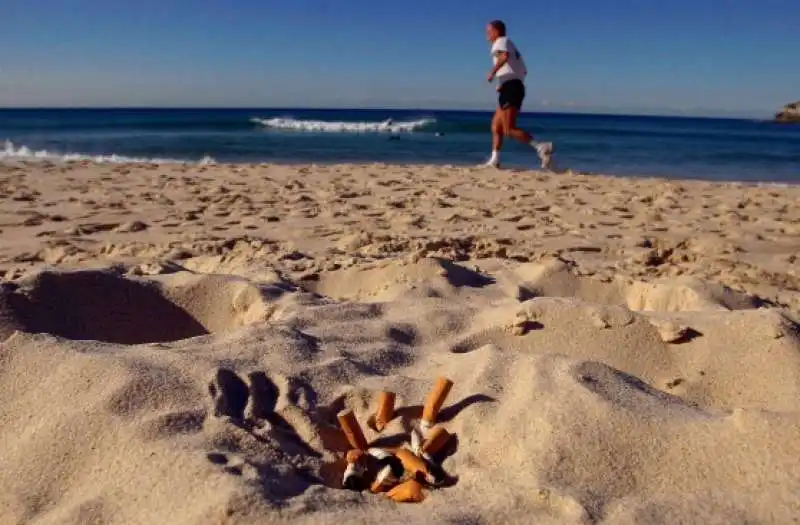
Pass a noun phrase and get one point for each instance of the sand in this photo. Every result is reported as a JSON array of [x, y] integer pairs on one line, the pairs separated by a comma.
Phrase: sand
[[176, 341]]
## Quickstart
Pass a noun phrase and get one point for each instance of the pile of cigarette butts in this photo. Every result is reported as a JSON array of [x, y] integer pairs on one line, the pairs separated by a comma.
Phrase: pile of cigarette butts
[[400, 473]]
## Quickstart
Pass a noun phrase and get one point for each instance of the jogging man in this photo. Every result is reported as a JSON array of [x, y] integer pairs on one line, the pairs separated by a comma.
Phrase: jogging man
[[510, 71]]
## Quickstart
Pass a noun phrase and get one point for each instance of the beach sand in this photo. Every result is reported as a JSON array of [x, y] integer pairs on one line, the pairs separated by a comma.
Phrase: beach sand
[[177, 340]]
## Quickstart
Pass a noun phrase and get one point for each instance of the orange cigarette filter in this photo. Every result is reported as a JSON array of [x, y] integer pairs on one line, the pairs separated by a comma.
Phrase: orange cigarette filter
[[378, 487], [411, 462], [385, 410], [353, 456], [385, 478], [407, 492], [351, 428], [436, 441], [384, 481], [436, 399]]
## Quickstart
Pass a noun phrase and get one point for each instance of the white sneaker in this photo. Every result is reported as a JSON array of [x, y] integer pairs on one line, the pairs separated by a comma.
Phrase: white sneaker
[[545, 152], [491, 164]]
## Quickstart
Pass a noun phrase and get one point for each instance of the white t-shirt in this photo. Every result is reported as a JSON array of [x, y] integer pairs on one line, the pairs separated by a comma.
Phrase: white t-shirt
[[514, 68]]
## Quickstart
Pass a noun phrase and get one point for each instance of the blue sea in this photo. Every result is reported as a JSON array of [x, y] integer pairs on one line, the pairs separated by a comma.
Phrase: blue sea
[[700, 148]]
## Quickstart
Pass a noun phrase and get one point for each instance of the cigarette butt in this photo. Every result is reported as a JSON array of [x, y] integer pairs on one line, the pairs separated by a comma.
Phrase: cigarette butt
[[353, 474], [413, 463], [351, 470], [424, 428], [416, 441], [351, 428], [388, 459], [407, 492], [353, 456], [385, 410], [378, 487], [436, 441], [383, 481], [436, 399], [351, 480], [378, 453]]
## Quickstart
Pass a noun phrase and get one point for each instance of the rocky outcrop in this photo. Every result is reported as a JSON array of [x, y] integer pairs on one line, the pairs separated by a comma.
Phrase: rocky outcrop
[[789, 113]]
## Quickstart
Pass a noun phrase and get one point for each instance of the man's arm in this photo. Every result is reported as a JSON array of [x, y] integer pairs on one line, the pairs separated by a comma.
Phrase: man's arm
[[502, 58], [500, 51]]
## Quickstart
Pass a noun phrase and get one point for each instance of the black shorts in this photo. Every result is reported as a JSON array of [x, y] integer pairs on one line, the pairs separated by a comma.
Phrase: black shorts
[[511, 95]]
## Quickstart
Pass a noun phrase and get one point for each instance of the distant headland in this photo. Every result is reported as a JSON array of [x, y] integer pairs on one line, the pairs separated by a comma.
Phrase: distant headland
[[789, 113]]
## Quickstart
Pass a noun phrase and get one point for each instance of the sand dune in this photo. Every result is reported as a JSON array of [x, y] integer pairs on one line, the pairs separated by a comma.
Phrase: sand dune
[[192, 374]]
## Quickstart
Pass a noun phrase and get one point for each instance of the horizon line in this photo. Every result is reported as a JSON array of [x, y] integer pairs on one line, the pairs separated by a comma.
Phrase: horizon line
[[543, 111]]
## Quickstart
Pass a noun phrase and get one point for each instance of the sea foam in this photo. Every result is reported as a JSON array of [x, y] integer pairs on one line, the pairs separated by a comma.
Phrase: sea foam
[[326, 126], [13, 152]]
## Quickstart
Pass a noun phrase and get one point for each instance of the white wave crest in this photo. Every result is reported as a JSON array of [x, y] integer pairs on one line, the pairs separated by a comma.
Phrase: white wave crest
[[12, 152], [326, 126]]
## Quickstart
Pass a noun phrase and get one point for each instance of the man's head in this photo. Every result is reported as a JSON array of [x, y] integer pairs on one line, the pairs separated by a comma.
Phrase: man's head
[[495, 29]]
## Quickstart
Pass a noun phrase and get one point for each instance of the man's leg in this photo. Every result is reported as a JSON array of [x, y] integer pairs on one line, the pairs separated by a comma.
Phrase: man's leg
[[510, 118], [543, 149], [497, 137]]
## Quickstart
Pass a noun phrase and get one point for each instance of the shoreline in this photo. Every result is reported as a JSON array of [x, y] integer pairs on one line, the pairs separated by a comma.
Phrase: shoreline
[[468, 167]]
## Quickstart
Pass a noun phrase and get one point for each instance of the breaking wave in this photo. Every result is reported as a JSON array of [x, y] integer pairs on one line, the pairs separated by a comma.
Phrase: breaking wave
[[326, 126], [13, 152]]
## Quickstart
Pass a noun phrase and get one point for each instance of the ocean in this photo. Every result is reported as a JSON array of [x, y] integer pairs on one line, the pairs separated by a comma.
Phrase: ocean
[[676, 147]]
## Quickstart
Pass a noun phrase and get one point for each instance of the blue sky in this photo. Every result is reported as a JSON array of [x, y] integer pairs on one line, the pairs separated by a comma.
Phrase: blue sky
[[710, 57]]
